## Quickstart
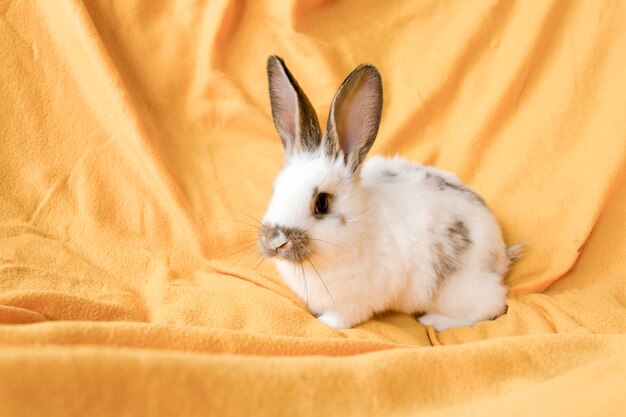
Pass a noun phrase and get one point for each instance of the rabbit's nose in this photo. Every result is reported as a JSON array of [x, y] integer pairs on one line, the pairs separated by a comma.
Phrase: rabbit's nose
[[278, 241]]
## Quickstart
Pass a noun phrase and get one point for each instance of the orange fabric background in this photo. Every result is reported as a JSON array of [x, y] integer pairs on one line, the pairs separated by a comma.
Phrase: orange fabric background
[[137, 150]]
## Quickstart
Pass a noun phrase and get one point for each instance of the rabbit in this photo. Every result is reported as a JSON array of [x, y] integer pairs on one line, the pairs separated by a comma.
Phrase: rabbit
[[352, 238]]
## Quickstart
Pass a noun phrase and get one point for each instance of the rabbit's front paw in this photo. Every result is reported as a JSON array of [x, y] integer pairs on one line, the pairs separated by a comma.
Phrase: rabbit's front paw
[[335, 321], [441, 322]]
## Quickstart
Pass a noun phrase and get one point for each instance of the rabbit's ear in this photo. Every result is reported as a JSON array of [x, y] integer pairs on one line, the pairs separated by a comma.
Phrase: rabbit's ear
[[355, 116], [294, 117]]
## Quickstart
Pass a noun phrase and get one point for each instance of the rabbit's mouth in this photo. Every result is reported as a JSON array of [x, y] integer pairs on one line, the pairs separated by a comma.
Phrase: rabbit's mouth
[[289, 243]]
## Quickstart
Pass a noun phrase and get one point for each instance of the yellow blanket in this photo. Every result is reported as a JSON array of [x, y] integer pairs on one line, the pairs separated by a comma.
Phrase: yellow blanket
[[137, 151]]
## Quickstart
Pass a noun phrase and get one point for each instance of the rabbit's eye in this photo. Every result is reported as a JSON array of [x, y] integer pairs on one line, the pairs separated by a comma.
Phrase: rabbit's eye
[[322, 203]]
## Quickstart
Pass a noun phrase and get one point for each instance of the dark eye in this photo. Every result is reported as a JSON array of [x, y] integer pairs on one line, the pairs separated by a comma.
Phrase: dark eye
[[322, 203]]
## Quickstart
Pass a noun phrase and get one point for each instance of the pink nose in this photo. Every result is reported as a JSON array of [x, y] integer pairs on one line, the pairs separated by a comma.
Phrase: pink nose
[[275, 238], [280, 245]]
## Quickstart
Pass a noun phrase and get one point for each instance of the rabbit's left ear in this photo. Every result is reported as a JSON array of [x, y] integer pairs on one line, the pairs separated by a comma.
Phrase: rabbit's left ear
[[294, 117], [355, 116]]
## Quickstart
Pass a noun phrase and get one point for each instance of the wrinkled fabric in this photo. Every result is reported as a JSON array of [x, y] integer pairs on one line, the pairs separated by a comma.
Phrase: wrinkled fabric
[[137, 154]]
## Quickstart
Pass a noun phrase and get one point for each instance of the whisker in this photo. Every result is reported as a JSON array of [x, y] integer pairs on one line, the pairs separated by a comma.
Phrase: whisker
[[250, 217], [306, 289], [249, 246], [246, 244], [254, 231], [246, 239], [249, 257], [362, 213], [245, 222], [259, 262], [320, 277], [325, 241], [250, 240]]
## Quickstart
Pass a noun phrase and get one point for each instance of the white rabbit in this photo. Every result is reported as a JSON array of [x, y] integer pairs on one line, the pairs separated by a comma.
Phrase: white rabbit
[[353, 238]]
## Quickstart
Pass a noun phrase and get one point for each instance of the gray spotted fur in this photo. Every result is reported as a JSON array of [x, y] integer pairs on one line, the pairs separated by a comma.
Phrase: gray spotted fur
[[449, 251], [441, 184]]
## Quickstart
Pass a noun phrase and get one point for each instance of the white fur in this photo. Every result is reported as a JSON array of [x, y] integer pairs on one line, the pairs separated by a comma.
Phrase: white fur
[[380, 256]]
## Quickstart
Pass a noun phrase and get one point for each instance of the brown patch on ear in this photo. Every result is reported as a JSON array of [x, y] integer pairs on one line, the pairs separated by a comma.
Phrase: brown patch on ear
[[294, 117], [330, 144], [355, 116]]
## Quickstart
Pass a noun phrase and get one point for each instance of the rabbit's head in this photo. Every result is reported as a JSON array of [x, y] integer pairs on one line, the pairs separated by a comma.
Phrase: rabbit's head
[[318, 204]]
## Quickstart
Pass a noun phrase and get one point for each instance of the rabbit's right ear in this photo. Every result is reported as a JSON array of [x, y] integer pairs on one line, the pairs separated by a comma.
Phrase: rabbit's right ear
[[355, 116], [294, 117]]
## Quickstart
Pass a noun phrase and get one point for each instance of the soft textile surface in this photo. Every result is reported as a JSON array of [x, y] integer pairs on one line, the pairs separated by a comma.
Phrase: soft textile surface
[[137, 151]]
